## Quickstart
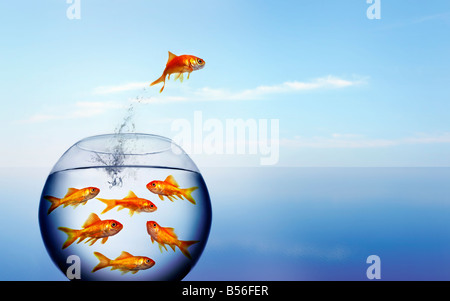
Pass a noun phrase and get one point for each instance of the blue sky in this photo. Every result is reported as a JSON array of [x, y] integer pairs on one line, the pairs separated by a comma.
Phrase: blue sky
[[347, 91]]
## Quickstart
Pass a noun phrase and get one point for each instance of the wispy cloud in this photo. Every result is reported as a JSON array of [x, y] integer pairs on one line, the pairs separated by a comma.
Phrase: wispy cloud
[[95, 108], [82, 109], [445, 16], [120, 88], [360, 141], [440, 16], [217, 94]]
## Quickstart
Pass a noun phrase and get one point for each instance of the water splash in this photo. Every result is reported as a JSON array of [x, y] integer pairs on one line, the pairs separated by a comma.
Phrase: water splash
[[114, 161]]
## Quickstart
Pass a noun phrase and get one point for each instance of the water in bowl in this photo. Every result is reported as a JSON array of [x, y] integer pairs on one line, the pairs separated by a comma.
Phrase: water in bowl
[[183, 219]]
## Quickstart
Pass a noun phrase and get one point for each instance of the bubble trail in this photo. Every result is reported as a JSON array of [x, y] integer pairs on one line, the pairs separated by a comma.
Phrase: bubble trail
[[115, 159]]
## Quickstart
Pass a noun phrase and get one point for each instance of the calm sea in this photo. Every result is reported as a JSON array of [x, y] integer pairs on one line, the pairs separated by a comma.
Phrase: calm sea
[[273, 223]]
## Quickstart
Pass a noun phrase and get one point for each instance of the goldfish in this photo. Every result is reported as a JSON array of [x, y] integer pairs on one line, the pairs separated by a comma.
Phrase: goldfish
[[94, 228], [170, 188], [179, 65], [166, 236], [131, 201], [73, 197], [124, 263]]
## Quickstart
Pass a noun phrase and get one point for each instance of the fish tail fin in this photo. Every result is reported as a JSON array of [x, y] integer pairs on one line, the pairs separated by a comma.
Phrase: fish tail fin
[[55, 203], [110, 204], [159, 80], [184, 245], [104, 261], [187, 194], [72, 235]]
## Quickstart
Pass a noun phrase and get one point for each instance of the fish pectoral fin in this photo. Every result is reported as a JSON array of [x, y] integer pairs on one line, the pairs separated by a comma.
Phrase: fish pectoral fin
[[160, 247], [161, 197], [104, 239], [134, 272], [93, 242], [189, 73], [131, 212]]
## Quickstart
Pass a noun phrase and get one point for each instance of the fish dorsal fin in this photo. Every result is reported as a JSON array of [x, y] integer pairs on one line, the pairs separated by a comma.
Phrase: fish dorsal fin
[[171, 232], [171, 57], [131, 195], [124, 255], [92, 219], [171, 181], [71, 191]]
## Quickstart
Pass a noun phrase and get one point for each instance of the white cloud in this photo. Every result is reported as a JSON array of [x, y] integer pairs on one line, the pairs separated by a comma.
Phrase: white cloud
[[213, 94], [360, 141], [441, 16], [95, 108], [120, 88], [82, 109]]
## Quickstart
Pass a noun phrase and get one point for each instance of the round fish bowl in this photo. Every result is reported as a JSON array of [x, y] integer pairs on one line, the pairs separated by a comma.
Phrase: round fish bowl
[[125, 207]]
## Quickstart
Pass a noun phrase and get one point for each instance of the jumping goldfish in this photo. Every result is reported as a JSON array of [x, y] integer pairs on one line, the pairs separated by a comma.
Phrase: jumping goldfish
[[170, 188], [124, 263], [166, 235], [132, 202], [179, 65], [94, 228], [73, 197]]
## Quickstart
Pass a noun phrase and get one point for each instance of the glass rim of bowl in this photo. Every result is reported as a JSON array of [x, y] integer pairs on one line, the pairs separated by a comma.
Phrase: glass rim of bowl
[[125, 149], [169, 143]]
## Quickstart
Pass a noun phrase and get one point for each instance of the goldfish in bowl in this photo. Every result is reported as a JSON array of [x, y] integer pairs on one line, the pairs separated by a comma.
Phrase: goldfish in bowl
[[98, 203]]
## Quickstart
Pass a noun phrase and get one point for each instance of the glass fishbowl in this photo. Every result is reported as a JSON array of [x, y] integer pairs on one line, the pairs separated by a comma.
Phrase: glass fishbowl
[[125, 207]]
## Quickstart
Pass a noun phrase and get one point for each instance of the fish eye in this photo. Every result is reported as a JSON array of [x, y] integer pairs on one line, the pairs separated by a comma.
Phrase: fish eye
[[200, 61], [147, 261], [151, 206], [93, 189], [153, 184], [154, 225], [113, 224]]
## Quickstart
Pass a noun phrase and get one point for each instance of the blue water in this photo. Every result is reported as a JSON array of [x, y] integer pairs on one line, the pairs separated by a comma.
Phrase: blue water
[[272, 223], [190, 222]]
